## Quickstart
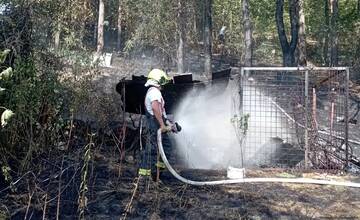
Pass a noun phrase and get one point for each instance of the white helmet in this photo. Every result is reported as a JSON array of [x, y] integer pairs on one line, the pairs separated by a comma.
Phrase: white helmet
[[159, 76]]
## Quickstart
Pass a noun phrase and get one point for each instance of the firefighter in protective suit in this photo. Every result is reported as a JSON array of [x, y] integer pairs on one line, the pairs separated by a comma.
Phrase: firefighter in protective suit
[[155, 118]]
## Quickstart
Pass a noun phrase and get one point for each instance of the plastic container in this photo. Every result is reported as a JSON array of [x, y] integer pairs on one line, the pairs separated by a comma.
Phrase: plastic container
[[235, 173]]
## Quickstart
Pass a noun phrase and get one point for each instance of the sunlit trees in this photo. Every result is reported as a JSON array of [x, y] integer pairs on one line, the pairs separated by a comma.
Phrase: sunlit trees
[[100, 30], [172, 31]]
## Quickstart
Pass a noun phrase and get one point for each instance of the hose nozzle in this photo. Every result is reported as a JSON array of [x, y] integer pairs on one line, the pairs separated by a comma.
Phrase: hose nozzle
[[176, 127]]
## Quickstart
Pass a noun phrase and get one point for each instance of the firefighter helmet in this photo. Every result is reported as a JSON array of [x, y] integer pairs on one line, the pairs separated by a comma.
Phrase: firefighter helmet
[[159, 76]]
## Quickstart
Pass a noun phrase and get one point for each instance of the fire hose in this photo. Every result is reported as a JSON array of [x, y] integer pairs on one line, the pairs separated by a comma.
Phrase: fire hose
[[246, 180]]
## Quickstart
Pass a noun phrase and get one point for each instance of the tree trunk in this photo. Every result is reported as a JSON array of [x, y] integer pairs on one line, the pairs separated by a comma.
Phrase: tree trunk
[[288, 49], [208, 38], [100, 36], [326, 33], [199, 6], [194, 13], [302, 35], [247, 33], [334, 10], [119, 26], [181, 35], [195, 27], [57, 37]]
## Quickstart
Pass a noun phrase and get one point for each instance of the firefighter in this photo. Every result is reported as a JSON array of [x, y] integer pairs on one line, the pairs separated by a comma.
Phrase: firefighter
[[155, 118]]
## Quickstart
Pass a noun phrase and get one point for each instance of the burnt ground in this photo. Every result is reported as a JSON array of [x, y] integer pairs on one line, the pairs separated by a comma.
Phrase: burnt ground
[[115, 192], [172, 199]]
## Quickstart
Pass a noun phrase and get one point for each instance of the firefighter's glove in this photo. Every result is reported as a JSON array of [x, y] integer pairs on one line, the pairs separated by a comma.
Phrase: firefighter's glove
[[165, 128], [168, 122]]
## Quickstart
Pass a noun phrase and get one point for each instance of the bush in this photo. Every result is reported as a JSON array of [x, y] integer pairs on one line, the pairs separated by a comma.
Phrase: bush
[[34, 94]]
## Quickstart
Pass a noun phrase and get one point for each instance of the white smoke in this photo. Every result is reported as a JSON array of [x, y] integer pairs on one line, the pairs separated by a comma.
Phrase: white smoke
[[208, 139]]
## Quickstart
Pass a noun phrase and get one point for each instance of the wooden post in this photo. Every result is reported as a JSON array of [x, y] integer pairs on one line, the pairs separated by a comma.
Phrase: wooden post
[[315, 109], [306, 136], [347, 116]]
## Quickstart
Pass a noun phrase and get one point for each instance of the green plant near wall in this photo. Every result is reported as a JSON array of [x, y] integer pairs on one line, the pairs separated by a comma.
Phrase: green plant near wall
[[241, 126], [241, 123]]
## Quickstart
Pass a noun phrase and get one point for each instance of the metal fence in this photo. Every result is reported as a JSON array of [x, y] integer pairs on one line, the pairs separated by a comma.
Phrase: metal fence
[[294, 118]]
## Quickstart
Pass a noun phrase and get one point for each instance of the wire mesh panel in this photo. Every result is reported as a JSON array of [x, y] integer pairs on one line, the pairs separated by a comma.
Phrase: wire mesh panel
[[328, 119], [293, 118]]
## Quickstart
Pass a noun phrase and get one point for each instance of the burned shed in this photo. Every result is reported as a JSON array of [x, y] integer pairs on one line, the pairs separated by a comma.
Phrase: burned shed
[[133, 91]]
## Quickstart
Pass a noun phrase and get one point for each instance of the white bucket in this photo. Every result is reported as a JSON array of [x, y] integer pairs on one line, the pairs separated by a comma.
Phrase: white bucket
[[235, 173], [108, 59]]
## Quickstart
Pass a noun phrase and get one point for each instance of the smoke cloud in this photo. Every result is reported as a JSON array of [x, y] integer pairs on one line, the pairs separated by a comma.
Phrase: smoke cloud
[[208, 139]]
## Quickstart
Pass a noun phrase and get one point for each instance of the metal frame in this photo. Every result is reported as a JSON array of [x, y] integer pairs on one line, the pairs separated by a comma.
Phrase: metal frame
[[307, 70], [293, 68]]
